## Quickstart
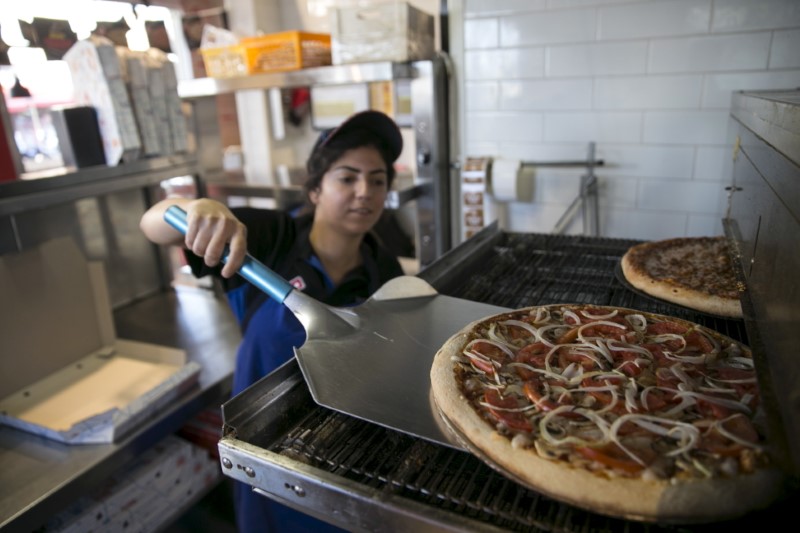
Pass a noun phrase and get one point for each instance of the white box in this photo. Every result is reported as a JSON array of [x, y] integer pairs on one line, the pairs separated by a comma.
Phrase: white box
[[65, 375], [393, 31]]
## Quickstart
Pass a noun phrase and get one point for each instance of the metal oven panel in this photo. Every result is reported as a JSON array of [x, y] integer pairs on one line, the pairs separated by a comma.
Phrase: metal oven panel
[[764, 221]]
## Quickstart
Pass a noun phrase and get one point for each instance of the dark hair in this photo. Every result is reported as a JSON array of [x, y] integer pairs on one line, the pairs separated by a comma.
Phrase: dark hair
[[321, 159]]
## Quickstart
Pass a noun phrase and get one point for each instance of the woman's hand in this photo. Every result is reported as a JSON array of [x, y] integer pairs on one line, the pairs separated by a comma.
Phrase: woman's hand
[[210, 227]]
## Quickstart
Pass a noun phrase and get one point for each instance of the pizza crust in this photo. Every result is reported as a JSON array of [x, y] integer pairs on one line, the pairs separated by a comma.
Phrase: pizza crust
[[640, 279], [634, 499]]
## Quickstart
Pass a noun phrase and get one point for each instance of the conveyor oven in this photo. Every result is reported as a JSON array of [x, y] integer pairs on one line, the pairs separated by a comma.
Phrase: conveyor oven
[[364, 477]]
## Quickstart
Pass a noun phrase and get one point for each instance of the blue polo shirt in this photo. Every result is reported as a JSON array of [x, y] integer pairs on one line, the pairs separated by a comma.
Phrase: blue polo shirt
[[270, 330]]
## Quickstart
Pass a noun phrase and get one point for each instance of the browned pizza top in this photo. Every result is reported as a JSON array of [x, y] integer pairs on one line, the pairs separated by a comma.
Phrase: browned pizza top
[[699, 263], [615, 390]]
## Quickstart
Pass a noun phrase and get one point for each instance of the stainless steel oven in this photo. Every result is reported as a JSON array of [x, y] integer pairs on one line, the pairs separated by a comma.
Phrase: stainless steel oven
[[365, 477]]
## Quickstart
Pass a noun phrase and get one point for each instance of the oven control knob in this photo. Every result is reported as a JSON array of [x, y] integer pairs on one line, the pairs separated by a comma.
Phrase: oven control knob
[[227, 462], [423, 157]]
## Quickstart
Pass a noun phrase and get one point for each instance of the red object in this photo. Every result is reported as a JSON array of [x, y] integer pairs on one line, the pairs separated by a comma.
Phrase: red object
[[9, 159]]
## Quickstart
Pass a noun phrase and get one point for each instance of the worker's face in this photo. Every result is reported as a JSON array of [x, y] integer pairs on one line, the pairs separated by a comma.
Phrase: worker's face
[[352, 193]]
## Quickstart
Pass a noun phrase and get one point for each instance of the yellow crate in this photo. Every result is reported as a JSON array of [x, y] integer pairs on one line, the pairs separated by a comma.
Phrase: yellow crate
[[276, 52]]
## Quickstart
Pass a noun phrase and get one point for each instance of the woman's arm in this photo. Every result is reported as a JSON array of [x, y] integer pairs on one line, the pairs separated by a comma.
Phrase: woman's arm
[[211, 226]]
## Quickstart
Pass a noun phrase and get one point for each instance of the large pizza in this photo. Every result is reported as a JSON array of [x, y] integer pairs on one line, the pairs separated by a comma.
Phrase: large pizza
[[695, 272], [621, 412]]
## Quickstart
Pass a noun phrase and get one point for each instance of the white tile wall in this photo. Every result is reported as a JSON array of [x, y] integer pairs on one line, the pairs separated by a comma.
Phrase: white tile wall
[[720, 87], [704, 226], [685, 127], [648, 92], [710, 163], [488, 127], [654, 19], [507, 63], [549, 94], [646, 161], [481, 33], [548, 27], [482, 95], [649, 81], [744, 51], [743, 15], [558, 187], [593, 127], [489, 7], [785, 52], [597, 59], [679, 195], [624, 223]]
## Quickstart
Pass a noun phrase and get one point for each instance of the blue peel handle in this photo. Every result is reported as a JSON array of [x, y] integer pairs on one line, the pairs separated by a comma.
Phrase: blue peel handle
[[252, 270]]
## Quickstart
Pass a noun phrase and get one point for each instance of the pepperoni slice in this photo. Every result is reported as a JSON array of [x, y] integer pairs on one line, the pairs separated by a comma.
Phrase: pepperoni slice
[[697, 343], [713, 409], [657, 400], [605, 397], [658, 354], [535, 391], [660, 328], [717, 443], [739, 379], [512, 419], [628, 360], [612, 456], [742, 427], [568, 355], [532, 355], [490, 351]]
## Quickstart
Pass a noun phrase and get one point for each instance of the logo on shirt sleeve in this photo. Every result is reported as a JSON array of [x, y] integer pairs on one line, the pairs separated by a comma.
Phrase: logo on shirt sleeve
[[298, 283]]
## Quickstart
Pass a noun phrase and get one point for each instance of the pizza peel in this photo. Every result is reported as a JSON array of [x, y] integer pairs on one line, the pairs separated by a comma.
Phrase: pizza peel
[[371, 361]]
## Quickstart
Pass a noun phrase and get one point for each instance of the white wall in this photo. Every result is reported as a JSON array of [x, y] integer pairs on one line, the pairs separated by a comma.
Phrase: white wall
[[649, 81]]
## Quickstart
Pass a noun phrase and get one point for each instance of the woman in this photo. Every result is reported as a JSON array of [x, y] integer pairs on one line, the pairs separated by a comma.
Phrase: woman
[[329, 254]]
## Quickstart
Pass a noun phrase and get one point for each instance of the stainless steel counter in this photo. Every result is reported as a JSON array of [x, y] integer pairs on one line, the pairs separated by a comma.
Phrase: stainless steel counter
[[39, 477]]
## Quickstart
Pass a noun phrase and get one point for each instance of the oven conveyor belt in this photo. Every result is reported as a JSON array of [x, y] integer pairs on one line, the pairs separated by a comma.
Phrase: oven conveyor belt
[[518, 270]]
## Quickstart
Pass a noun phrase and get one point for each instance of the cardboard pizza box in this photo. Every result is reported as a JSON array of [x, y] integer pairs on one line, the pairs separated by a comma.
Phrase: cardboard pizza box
[[135, 76], [65, 375], [147, 494], [175, 112], [97, 77]]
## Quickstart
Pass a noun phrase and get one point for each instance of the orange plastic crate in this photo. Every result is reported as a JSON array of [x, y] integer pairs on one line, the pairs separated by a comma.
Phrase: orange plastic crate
[[276, 52]]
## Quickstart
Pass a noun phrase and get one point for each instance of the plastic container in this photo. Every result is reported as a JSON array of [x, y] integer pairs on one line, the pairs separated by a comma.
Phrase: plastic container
[[389, 31]]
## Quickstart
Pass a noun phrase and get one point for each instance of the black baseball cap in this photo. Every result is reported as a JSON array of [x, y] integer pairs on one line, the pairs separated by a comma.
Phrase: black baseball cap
[[373, 121]]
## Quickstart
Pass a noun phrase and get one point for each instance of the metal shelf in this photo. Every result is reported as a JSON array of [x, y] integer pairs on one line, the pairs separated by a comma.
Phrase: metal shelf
[[330, 75], [69, 185]]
